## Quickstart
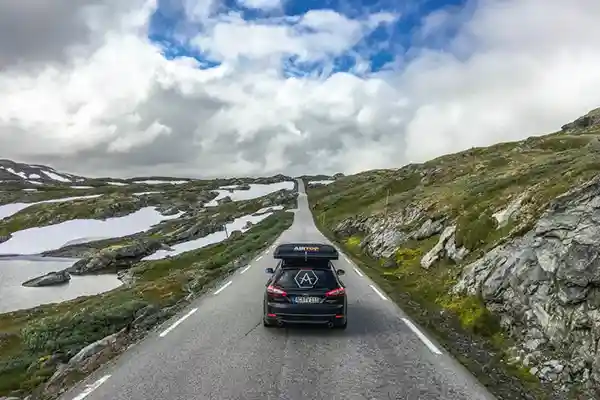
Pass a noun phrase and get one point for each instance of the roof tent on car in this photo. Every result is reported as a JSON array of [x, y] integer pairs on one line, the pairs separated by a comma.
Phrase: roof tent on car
[[314, 251]]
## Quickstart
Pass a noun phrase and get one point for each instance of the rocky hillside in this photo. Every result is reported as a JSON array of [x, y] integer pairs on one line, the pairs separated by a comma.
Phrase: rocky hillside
[[495, 250], [167, 240]]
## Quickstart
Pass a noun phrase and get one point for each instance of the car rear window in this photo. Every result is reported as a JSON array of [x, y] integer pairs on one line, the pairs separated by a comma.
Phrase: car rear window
[[325, 278]]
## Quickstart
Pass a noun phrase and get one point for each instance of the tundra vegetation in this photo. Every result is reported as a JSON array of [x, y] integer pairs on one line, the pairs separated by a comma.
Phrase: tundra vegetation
[[492, 250]]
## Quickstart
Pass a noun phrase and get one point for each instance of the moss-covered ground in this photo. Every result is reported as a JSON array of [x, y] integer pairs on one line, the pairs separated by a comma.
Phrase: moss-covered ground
[[467, 188], [29, 337]]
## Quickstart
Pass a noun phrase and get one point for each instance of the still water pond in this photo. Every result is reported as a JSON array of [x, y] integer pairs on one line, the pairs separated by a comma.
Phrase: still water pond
[[15, 271]]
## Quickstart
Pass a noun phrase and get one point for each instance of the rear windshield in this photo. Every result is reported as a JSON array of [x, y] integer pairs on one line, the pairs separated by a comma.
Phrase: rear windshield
[[325, 278]]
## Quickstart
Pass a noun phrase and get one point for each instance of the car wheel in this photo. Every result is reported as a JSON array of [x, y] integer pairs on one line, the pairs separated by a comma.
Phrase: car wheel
[[267, 324], [342, 326]]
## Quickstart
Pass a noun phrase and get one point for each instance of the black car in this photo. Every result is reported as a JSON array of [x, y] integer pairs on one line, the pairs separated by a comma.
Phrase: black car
[[305, 287]]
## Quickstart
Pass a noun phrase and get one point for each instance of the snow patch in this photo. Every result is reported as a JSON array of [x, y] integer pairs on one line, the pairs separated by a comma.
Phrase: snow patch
[[37, 240], [239, 224], [144, 193], [35, 182], [117, 183], [55, 176], [153, 182], [256, 190], [19, 174], [82, 187], [34, 176], [320, 182], [268, 209]]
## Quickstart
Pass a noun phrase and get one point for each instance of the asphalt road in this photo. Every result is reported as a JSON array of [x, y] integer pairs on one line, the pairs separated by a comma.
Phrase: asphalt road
[[218, 349]]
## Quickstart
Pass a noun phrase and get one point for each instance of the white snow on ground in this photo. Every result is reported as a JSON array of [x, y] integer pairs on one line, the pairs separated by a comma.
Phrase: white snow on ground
[[82, 187], [117, 183], [266, 209], [19, 174], [143, 193], [30, 190], [320, 182], [55, 176], [85, 240], [7, 210], [34, 176], [256, 190], [35, 182], [37, 240], [216, 237], [151, 182]]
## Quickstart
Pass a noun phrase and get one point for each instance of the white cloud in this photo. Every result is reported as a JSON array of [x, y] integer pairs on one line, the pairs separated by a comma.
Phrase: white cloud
[[261, 4], [112, 104]]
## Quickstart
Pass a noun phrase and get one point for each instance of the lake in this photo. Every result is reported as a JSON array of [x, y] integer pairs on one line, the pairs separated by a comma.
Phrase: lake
[[15, 271]]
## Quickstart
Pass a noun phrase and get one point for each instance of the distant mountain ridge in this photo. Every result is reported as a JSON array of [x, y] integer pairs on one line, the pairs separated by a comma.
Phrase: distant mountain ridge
[[34, 173]]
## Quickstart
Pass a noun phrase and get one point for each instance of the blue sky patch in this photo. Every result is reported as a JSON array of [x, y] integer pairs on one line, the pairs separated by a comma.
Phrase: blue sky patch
[[172, 30]]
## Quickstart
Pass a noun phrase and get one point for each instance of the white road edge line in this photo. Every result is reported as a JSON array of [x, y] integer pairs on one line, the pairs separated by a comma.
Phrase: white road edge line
[[378, 292], [179, 321], [357, 271], [258, 259], [422, 336], [246, 269], [90, 388], [223, 287]]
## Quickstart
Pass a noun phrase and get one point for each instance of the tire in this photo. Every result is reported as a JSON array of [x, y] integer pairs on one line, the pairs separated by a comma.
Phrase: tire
[[267, 324], [342, 326]]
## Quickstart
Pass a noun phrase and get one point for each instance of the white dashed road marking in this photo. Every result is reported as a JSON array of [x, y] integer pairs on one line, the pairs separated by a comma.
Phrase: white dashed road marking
[[357, 271], [378, 292], [258, 259], [179, 321], [223, 287], [347, 260], [246, 269], [421, 336], [90, 388]]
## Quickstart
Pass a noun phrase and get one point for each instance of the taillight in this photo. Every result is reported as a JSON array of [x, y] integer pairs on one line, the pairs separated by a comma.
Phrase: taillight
[[336, 292], [275, 291]]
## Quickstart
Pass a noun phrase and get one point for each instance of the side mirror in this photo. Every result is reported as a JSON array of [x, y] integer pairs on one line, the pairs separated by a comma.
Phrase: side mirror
[[269, 270], [341, 272]]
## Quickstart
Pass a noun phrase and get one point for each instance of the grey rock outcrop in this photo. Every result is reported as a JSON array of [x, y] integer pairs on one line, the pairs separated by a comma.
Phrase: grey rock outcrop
[[383, 235], [591, 119], [445, 247], [119, 256], [50, 279], [546, 286]]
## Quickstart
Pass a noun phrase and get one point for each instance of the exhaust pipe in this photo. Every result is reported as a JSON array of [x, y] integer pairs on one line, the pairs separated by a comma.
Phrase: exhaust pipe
[[330, 324]]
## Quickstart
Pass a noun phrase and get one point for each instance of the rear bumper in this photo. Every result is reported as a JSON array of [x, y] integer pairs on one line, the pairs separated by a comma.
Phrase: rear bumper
[[300, 314]]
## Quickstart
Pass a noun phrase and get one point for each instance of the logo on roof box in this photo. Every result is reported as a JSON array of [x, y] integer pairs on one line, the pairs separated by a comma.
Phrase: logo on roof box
[[306, 279], [304, 248]]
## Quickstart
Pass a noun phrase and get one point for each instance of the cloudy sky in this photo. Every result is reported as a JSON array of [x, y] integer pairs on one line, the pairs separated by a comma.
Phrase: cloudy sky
[[257, 87]]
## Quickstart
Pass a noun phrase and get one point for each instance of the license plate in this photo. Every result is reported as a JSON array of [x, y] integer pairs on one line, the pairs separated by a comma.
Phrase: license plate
[[307, 300]]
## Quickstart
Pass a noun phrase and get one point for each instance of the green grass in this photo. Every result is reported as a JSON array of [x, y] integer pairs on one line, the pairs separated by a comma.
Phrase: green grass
[[466, 188], [424, 295], [32, 335]]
